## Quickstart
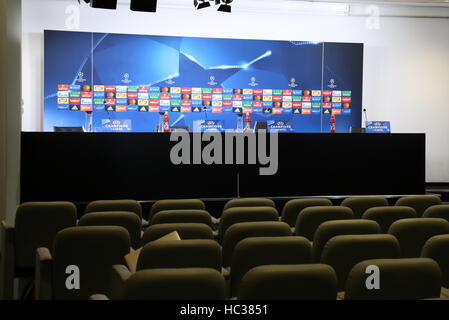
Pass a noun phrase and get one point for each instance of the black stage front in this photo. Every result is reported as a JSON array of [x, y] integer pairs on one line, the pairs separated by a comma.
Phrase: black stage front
[[81, 167]]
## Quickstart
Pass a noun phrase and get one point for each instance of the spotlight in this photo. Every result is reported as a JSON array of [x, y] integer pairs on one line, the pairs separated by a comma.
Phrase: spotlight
[[103, 4], [201, 4], [144, 5], [225, 7]]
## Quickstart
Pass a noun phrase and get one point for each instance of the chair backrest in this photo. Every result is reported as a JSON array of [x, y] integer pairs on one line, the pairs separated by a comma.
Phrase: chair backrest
[[242, 230], [115, 205], [385, 216], [289, 282], [293, 207], [180, 254], [128, 220], [249, 202], [437, 248], [182, 215], [399, 279], [342, 253], [176, 204], [36, 225], [245, 214], [175, 284], [253, 252], [93, 250], [419, 203], [360, 204], [437, 211], [413, 233], [330, 229], [186, 231], [309, 219]]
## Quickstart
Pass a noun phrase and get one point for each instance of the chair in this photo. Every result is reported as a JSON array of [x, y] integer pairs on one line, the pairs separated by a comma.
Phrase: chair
[[360, 204], [173, 284], [253, 252], [180, 216], [419, 203], [245, 214], [180, 254], [289, 282], [36, 225], [399, 279], [385, 216], [178, 204], [128, 220], [309, 219], [330, 229], [437, 211], [343, 252], [412, 234], [437, 248], [117, 205], [186, 231], [293, 207], [249, 202], [242, 230], [89, 253]]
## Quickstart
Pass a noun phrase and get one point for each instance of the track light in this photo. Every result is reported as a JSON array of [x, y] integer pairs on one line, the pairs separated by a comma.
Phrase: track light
[[144, 5], [224, 4], [103, 4], [201, 4]]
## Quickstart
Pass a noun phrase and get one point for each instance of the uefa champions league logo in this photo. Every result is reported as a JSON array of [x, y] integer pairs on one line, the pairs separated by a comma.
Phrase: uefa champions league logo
[[126, 78], [292, 83], [212, 81], [80, 77], [253, 82], [332, 84], [170, 80]]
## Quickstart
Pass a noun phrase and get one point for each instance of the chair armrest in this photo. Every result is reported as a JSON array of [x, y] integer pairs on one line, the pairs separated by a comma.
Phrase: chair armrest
[[43, 274], [98, 297], [120, 273], [7, 263]]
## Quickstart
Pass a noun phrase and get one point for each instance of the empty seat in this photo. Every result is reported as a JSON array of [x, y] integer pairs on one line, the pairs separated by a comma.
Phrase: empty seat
[[183, 215], [177, 204], [174, 284], [243, 230], [437, 211], [437, 248], [128, 220], [245, 214], [253, 252], [419, 203], [293, 207], [86, 253], [36, 225], [399, 279], [309, 219], [249, 202], [360, 204], [342, 253], [330, 229], [385, 216], [289, 282], [185, 231], [413, 233], [114, 205], [180, 254]]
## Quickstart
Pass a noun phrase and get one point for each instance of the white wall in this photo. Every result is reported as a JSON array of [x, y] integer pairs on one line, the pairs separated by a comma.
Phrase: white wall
[[406, 68]]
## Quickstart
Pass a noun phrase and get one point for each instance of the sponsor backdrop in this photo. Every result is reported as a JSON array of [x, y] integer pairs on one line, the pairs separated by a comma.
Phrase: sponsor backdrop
[[134, 83]]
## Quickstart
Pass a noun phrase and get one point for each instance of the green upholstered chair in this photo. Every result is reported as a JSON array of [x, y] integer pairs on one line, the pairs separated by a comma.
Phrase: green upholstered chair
[[117, 205], [385, 216], [176, 204], [36, 225], [289, 282], [360, 204], [437, 211], [399, 279], [249, 202], [309, 219], [437, 248], [412, 234], [253, 252], [293, 207], [419, 203], [186, 231], [182, 215]]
